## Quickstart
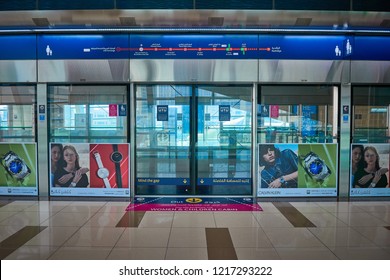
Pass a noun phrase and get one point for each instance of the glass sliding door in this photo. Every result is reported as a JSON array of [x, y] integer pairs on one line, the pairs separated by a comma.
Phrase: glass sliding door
[[193, 140], [224, 140], [162, 139]]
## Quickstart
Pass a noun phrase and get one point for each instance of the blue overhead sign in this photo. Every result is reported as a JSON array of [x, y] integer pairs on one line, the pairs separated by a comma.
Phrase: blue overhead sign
[[162, 113], [83, 47], [305, 47], [18, 47], [194, 46], [371, 48], [224, 113], [125, 46]]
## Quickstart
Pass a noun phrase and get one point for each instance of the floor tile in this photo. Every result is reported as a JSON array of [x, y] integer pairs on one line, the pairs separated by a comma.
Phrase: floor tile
[[379, 235], [382, 215], [130, 219], [81, 253], [249, 238], [157, 220], [186, 254], [360, 219], [325, 220], [104, 219], [193, 219], [17, 206], [48, 206], [272, 220], [88, 207], [235, 219], [268, 207], [95, 236], [339, 207], [361, 253], [219, 244], [292, 237], [27, 218], [6, 215], [137, 254], [52, 236], [306, 254], [257, 254], [293, 215], [144, 238], [68, 219], [341, 236], [7, 231], [32, 253], [308, 207], [18, 239], [187, 238], [114, 207], [386, 248]]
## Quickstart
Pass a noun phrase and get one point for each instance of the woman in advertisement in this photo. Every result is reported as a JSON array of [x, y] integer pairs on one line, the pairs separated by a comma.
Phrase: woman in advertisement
[[55, 156], [280, 167], [357, 161], [371, 175], [69, 173]]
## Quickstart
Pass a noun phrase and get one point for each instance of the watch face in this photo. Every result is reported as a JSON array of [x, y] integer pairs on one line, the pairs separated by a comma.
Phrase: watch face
[[103, 173], [116, 157], [315, 167], [15, 166]]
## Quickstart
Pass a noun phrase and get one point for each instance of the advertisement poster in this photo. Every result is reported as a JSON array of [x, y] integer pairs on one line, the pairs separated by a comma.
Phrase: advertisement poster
[[370, 164], [79, 169], [297, 170], [18, 170]]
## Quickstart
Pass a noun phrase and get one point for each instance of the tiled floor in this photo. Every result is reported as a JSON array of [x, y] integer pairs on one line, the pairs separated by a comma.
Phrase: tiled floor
[[93, 230]]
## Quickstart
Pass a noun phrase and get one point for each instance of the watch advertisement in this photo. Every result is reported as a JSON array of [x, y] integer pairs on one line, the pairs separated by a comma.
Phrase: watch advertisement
[[369, 170], [79, 169], [18, 169], [298, 170]]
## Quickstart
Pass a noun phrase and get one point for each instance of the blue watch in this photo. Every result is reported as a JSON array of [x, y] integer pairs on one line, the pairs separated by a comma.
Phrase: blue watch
[[315, 167], [282, 181]]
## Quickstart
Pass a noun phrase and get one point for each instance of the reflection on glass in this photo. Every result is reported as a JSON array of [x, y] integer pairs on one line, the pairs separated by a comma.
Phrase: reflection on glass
[[371, 114], [297, 114], [84, 114], [162, 131], [224, 132], [17, 113]]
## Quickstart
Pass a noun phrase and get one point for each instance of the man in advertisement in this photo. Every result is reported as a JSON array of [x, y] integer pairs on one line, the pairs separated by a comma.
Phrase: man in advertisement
[[280, 167]]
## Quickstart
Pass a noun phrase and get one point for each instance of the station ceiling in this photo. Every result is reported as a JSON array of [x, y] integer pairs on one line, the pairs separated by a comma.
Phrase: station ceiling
[[182, 18]]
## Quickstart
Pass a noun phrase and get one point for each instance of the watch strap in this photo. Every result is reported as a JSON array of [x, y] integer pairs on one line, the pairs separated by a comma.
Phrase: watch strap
[[98, 159], [118, 173], [107, 183]]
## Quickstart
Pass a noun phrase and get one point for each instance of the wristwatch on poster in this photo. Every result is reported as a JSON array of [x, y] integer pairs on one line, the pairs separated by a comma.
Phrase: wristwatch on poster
[[102, 171], [15, 166], [315, 167], [117, 157]]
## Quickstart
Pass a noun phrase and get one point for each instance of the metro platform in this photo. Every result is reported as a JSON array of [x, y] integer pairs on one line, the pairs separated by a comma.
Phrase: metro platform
[[285, 229]]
